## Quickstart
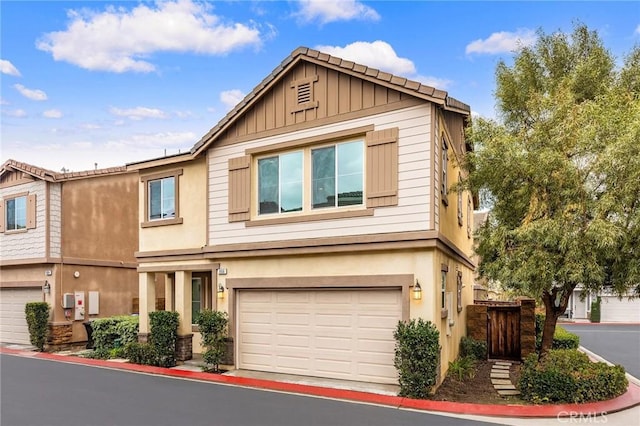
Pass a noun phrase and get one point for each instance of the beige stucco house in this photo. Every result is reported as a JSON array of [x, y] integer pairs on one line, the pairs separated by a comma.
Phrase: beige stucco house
[[311, 213], [67, 239]]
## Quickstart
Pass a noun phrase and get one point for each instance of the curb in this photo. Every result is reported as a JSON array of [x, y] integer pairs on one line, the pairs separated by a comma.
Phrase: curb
[[629, 399]]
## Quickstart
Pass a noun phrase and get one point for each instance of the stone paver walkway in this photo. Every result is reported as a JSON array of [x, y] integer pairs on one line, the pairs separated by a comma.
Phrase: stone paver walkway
[[500, 379]]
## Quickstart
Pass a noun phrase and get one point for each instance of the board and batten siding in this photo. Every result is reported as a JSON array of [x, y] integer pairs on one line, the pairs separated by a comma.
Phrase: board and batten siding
[[55, 219], [31, 243], [412, 212]]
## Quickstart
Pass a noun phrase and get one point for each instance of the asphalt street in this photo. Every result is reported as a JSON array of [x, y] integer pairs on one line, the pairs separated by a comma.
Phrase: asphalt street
[[617, 343], [36, 392]]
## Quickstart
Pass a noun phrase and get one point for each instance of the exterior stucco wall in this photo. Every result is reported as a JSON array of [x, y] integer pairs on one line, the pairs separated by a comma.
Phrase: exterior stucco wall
[[55, 220], [191, 233], [30, 243], [100, 218]]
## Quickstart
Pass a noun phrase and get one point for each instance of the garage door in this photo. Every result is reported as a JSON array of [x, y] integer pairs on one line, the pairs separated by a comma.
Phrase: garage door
[[342, 334], [13, 325], [614, 310]]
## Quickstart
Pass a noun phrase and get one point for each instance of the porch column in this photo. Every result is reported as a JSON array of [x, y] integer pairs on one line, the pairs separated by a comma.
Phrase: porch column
[[169, 303], [147, 302], [184, 345]]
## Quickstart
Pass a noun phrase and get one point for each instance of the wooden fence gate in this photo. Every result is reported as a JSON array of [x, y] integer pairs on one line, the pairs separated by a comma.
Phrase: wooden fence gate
[[503, 332]]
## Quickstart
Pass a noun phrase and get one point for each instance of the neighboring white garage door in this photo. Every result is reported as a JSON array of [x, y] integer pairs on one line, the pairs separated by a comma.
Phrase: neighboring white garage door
[[13, 324], [614, 310], [341, 334]]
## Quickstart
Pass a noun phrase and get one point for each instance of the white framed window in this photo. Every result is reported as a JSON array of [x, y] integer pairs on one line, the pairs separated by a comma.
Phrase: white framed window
[[443, 170], [161, 198], [280, 182], [196, 298], [313, 178], [337, 175], [16, 213]]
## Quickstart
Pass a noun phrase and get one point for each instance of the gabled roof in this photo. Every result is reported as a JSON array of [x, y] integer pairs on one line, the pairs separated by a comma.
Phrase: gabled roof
[[376, 76], [51, 176]]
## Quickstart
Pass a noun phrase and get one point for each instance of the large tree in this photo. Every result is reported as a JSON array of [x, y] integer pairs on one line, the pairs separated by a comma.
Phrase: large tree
[[561, 165]]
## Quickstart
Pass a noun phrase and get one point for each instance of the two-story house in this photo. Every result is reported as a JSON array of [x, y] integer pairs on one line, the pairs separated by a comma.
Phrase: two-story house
[[67, 239], [317, 213]]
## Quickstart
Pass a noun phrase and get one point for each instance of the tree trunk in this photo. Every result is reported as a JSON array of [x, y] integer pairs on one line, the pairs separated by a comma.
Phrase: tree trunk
[[552, 313]]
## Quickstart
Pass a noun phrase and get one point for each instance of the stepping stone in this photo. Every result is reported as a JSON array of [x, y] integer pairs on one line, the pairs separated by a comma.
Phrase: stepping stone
[[508, 392], [500, 381], [500, 367], [502, 363], [499, 375], [504, 387]]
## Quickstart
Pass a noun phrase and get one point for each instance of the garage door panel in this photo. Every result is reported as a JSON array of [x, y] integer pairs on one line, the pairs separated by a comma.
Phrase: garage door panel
[[13, 323], [343, 334], [619, 310]]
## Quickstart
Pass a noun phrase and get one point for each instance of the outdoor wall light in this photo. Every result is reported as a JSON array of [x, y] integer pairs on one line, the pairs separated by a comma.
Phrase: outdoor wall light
[[417, 291], [46, 288], [220, 291]]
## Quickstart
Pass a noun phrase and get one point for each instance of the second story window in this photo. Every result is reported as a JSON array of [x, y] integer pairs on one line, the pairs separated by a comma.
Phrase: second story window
[[162, 198], [16, 213], [280, 183], [444, 166], [337, 169]]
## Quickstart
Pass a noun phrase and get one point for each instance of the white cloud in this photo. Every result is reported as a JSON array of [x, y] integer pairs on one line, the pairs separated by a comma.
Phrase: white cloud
[[7, 67], [33, 94], [502, 42], [378, 54], [155, 140], [138, 113], [52, 113], [3, 102], [90, 126], [121, 40], [17, 113], [638, 29], [438, 83], [325, 11], [231, 98]]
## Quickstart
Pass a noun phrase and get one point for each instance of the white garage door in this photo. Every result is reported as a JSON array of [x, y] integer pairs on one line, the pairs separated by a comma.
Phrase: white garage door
[[341, 334], [614, 310], [13, 324]]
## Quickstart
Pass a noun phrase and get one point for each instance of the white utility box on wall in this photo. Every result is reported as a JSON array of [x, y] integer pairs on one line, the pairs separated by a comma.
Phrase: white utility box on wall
[[79, 314], [68, 301]]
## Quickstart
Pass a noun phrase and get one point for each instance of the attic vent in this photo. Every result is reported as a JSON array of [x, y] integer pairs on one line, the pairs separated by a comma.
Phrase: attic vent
[[304, 98], [304, 93]]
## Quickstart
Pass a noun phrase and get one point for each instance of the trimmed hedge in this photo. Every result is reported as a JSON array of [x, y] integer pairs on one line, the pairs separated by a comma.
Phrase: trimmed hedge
[[37, 314], [114, 332], [476, 349], [163, 337], [417, 357], [568, 376], [595, 310], [140, 353]]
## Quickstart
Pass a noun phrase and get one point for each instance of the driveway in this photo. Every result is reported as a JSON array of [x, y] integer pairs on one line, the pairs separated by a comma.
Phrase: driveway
[[617, 343]]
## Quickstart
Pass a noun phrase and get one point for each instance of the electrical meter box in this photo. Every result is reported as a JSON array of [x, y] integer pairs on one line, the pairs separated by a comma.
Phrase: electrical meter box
[[68, 301]]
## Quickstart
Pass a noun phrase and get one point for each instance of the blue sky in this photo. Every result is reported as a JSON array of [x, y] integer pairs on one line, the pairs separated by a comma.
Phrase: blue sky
[[85, 82]]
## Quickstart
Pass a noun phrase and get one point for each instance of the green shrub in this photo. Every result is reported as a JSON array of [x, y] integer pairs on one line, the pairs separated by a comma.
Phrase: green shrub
[[417, 357], [476, 349], [37, 314], [163, 337], [462, 368], [595, 310], [114, 332], [568, 376], [562, 339], [140, 353], [213, 327]]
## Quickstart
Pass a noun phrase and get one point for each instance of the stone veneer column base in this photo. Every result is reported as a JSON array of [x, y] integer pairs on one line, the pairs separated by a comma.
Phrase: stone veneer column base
[[143, 337], [184, 347]]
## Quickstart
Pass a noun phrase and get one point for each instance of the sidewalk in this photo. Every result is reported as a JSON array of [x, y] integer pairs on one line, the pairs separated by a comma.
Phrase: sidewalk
[[504, 414]]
